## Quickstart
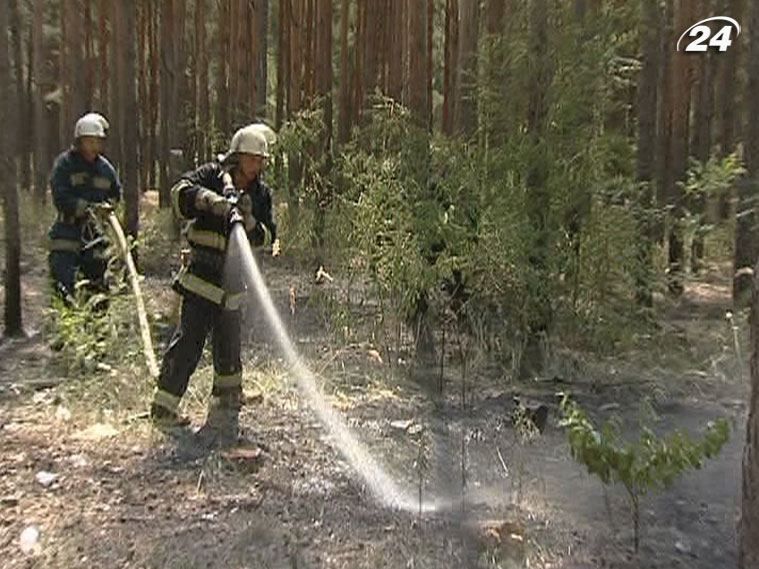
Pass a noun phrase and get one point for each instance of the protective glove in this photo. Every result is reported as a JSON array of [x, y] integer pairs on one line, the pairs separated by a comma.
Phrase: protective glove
[[233, 218], [275, 249], [102, 210]]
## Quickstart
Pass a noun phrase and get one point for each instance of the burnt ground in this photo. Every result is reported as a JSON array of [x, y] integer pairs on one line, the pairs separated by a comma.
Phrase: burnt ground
[[125, 495]]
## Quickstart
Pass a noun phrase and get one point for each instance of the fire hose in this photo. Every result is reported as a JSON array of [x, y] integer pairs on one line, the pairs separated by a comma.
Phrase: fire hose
[[147, 342]]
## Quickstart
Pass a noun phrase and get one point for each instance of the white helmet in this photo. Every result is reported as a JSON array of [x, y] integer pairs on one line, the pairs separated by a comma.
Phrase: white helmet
[[249, 140], [91, 124], [266, 130]]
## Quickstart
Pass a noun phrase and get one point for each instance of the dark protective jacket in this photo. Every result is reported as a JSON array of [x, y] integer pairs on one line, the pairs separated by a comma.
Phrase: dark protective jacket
[[207, 231], [76, 184]]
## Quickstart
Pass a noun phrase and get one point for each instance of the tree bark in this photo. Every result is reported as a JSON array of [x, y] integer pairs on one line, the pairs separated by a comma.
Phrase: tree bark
[[152, 135], [103, 46], [41, 158], [12, 272], [167, 114], [450, 69], [23, 140], [201, 81], [418, 68], [466, 103], [396, 55], [748, 527], [746, 234], [664, 129], [539, 314], [727, 79], [283, 61], [116, 112], [646, 160], [130, 109], [222, 74], [682, 82], [262, 52], [344, 114]]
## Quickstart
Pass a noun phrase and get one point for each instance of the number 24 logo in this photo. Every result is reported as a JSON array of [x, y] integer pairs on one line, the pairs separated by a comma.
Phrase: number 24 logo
[[703, 33]]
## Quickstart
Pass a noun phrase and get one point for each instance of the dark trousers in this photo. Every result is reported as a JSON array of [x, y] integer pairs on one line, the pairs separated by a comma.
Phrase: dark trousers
[[198, 318], [64, 266]]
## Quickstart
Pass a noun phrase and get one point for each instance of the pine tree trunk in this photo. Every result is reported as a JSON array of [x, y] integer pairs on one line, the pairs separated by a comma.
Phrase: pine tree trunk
[[646, 159], [418, 68], [116, 116], [23, 141], [344, 115], [128, 88], [222, 74], [12, 269], [396, 55], [89, 56], [262, 56], [103, 47], [167, 113], [324, 91], [681, 85], [152, 134], [539, 315], [466, 104], [201, 81], [746, 238], [283, 60], [701, 140], [664, 129], [41, 158], [450, 70], [358, 66], [748, 527]]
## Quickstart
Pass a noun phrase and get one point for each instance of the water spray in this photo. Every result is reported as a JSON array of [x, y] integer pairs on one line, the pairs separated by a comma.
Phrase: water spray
[[378, 481]]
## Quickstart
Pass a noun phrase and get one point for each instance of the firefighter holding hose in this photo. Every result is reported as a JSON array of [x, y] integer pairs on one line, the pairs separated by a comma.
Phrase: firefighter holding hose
[[214, 198], [84, 183]]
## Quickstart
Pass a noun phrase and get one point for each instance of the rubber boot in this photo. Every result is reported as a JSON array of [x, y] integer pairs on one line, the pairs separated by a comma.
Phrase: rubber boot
[[165, 419], [223, 421]]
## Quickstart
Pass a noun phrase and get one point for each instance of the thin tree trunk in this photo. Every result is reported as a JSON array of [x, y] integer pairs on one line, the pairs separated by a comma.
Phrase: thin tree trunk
[[143, 78], [450, 71], [128, 88], [646, 160], [358, 67], [396, 55], [746, 234], [201, 81], [262, 52], [283, 60], [89, 55], [23, 140], [168, 79], [41, 164], [152, 135], [466, 104], [12, 272], [430, 62], [103, 47], [701, 140], [344, 115], [539, 314], [116, 117], [418, 68], [222, 75], [664, 147], [748, 527]]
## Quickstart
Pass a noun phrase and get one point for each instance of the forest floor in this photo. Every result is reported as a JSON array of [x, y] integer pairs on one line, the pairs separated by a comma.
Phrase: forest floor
[[103, 489]]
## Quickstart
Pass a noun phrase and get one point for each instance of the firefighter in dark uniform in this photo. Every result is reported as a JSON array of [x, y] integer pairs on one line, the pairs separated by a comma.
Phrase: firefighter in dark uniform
[[83, 182], [213, 198]]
